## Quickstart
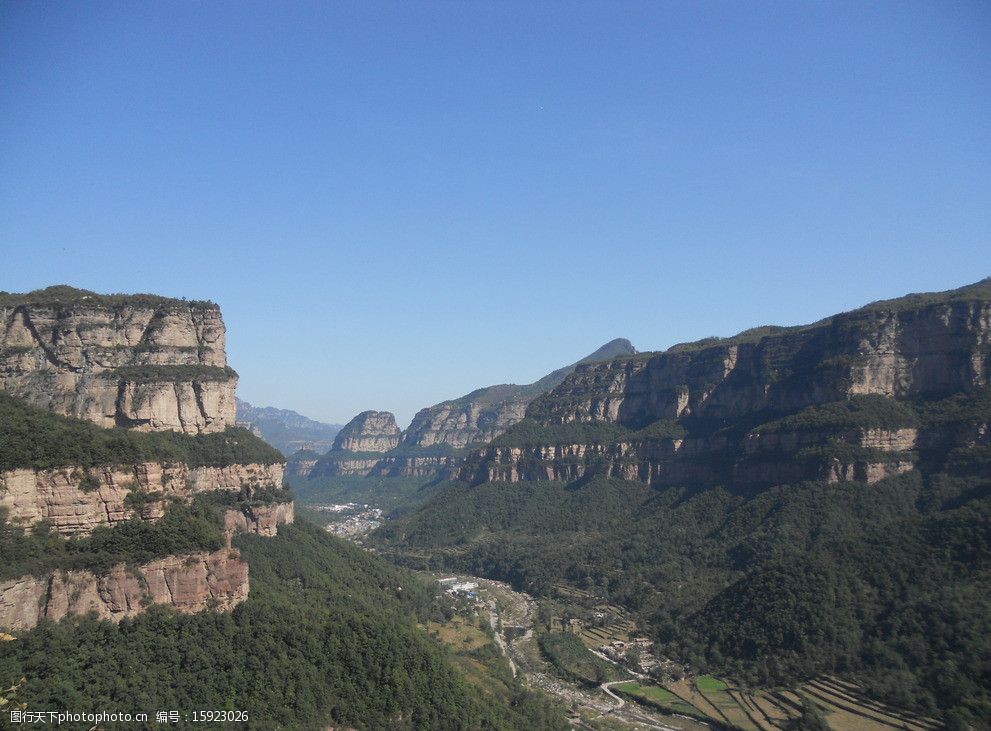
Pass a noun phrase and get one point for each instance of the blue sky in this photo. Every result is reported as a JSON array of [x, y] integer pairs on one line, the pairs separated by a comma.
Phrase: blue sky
[[395, 203]]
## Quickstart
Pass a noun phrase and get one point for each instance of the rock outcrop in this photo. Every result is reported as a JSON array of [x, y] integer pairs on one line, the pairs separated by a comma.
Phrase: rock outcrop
[[139, 361], [262, 520], [473, 419], [191, 583], [891, 349], [482, 415], [433, 444], [704, 413], [75, 501], [369, 431], [301, 463]]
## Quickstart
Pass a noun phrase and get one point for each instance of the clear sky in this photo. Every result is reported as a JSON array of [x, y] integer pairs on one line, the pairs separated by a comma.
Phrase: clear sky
[[397, 202]]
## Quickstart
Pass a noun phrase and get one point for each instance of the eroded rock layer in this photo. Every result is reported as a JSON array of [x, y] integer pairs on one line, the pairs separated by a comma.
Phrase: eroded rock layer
[[143, 362], [262, 520], [369, 431], [773, 405], [190, 583], [484, 414], [75, 501]]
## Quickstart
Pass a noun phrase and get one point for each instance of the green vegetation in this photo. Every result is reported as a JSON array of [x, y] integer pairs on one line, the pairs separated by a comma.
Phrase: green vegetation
[[470, 647], [973, 407], [809, 719], [184, 529], [662, 699], [978, 291], [396, 495], [889, 583], [572, 658], [149, 373], [62, 294], [34, 438], [709, 684], [751, 336], [857, 412], [327, 636]]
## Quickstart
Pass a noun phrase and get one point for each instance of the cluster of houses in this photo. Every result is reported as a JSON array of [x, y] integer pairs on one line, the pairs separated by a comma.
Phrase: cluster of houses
[[467, 589], [619, 651]]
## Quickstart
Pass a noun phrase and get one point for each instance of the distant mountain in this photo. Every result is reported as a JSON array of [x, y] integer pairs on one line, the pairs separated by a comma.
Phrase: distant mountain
[[487, 412], [439, 434], [784, 506], [287, 430]]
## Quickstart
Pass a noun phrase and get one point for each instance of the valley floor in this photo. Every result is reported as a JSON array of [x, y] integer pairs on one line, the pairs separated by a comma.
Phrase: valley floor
[[635, 700]]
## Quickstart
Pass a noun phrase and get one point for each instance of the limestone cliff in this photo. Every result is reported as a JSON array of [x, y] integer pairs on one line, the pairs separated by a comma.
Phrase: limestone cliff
[[75, 501], [369, 431], [435, 441], [301, 463], [902, 349], [262, 520], [772, 405], [139, 361], [217, 581], [482, 415]]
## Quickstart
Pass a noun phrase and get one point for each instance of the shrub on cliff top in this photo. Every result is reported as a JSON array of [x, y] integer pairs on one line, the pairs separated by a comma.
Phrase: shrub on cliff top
[[150, 373], [34, 438], [63, 294], [857, 412]]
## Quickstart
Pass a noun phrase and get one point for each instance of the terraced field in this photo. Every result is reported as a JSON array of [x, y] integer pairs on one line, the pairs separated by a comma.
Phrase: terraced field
[[661, 698], [844, 699], [842, 703]]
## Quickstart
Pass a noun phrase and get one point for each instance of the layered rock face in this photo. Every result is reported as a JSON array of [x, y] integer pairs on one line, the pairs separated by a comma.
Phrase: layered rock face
[[369, 431], [900, 351], [465, 421], [358, 446], [262, 520], [76, 501], [431, 445], [191, 583], [484, 414], [140, 361], [719, 393], [301, 463]]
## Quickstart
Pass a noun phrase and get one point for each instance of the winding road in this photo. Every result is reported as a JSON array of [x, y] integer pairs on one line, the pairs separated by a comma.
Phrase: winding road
[[518, 609]]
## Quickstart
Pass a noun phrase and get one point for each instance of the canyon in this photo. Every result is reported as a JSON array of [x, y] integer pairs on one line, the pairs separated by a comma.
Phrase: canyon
[[435, 440]]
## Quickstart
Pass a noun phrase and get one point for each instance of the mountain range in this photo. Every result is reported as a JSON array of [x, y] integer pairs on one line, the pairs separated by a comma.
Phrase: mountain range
[[286, 430], [787, 504]]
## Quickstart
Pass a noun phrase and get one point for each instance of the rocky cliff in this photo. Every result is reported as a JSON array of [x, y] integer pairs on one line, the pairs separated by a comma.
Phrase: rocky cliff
[[139, 361], [126, 363], [301, 463], [217, 581], [260, 519], [772, 405], [369, 431], [75, 501], [436, 439], [482, 415]]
